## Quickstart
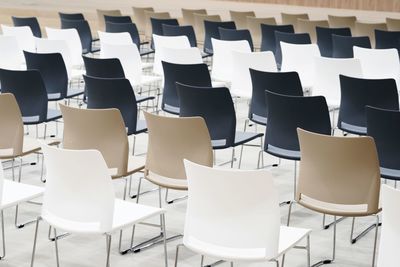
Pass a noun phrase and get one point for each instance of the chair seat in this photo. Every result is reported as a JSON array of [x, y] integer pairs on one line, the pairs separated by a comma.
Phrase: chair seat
[[30, 145], [15, 193], [171, 183], [288, 238], [52, 114], [74, 92], [392, 174], [283, 153], [354, 129], [140, 99], [240, 139]]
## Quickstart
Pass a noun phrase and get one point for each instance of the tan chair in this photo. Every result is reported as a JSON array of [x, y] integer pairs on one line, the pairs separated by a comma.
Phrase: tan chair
[[254, 26], [291, 19], [156, 15], [240, 18], [309, 26], [339, 176], [139, 17], [199, 25], [342, 21], [368, 29], [188, 15], [393, 24], [102, 12]]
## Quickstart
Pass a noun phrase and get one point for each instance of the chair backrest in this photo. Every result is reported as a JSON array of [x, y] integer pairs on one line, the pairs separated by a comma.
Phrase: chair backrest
[[393, 24], [387, 39], [327, 71], [12, 134], [384, 126], [31, 22], [53, 71], [324, 38], [84, 32], [71, 16], [157, 24], [211, 29], [291, 38], [115, 38], [124, 28], [309, 26], [199, 24], [89, 209], [342, 21], [215, 105], [187, 30], [73, 40], [222, 59], [212, 221], [103, 67], [188, 15], [190, 74], [100, 129], [102, 12], [357, 93], [291, 19], [23, 34], [29, 90], [11, 56], [350, 167], [139, 17], [268, 42], [287, 113], [190, 55], [254, 26], [343, 45], [368, 29], [240, 18], [156, 15], [236, 35], [242, 62], [285, 83], [300, 58], [117, 19]]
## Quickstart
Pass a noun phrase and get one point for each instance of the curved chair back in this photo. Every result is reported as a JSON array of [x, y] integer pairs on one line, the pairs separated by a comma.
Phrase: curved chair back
[[117, 19], [171, 140], [351, 177], [268, 42], [103, 67], [387, 39], [236, 35], [188, 15], [24, 36], [115, 38], [31, 22], [291, 38], [342, 21], [11, 56], [139, 17], [309, 26], [368, 29], [83, 29], [102, 12], [73, 40], [199, 24], [123, 28], [156, 15], [240, 18], [157, 25], [187, 30], [190, 55], [254, 26], [71, 16], [211, 29], [324, 38], [393, 24], [343, 45], [291, 19]]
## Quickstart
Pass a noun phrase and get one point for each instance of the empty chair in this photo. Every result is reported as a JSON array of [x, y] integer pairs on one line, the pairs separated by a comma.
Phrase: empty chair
[[236, 35], [156, 15], [199, 25], [368, 29], [102, 12], [240, 18], [71, 16], [383, 126], [85, 34], [11, 56], [207, 228], [125, 28], [268, 35], [393, 24], [387, 39], [211, 29], [157, 25], [291, 38], [358, 93], [190, 74], [188, 15], [342, 21], [242, 62], [309, 26], [254, 26], [117, 19], [139, 17], [24, 36], [300, 58], [324, 38], [176, 30], [291, 19], [31, 22], [115, 38], [343, 45]]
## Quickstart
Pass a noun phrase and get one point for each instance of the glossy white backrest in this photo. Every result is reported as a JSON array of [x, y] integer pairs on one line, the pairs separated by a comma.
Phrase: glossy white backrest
[[11, 55], [190, 55], [73, 41], [24, 35], [120, 38]]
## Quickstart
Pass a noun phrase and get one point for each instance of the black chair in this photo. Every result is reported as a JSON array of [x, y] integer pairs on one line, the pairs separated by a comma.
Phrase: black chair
[[31, 22], [387, 39], [268, 41], [292, 38], [117, 19], [115, 93], [85, 34], [157, 26], [215, 105], [187, 30], [211, 30], [384, 126], [357, 93], [343, 45], [324, 38], [71, 16], [236, 35], [54, 74], [285, 83], [195, 74], [30, 91]]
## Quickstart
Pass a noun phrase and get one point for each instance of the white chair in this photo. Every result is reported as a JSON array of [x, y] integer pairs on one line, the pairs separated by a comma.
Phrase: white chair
[[11, 55], [93, 209], [239, 220], [190, 55], [12, 194], [177, 42], [222, 60], [120, 38], [379, 63], [300, 58], [241, 80], [24, 35], [389, 247]]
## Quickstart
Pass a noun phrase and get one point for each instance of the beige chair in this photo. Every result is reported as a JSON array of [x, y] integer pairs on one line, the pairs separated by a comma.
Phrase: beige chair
[[309, 26], [199, 25], [188, 15], [393, 24], [151, 14], [339, 176], [240, 18], [139, 17], [368, 29], [254, 26], [342, 21], [291, 19], [102, 12]]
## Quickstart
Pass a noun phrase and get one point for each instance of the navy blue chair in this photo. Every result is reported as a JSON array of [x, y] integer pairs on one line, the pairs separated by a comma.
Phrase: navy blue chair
[[387, 39], [324, 38], [85, 34], [211, 30], [292, 38], [117, 19], [31, 22], [343, 45], [71, 16], [157, 26], [176, 30], [268, 40], [236, 35]]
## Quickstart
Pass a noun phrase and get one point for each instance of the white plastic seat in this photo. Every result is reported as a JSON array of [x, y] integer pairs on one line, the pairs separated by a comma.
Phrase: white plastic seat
[[190, 55], [24, 35], [300, 58], [119, 38], [222, 69], [242, 62], [11, 55], [239, 222], [93, 209]]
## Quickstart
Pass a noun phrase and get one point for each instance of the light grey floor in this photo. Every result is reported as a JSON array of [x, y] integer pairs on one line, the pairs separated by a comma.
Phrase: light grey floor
[[83, 251]]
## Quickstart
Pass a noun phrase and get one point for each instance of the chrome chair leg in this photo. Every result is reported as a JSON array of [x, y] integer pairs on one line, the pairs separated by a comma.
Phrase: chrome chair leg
[[326, 226], [353, 240], [375, 240], [56, 247], [108, 246], [141, 193], [35, 241], [3, 238], [329, 261], [177, 254], [173, 200], [164, 231], [233, 156]]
